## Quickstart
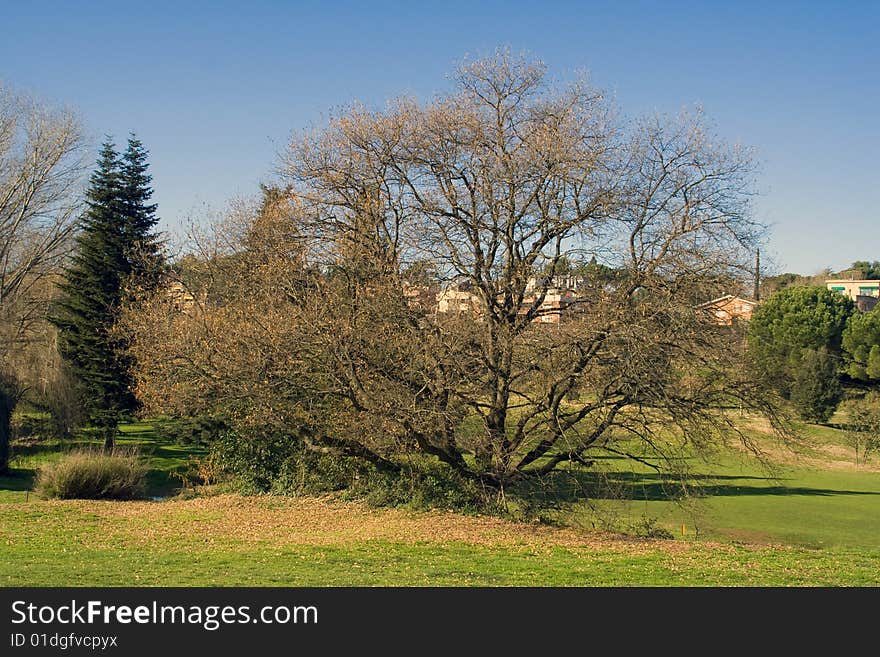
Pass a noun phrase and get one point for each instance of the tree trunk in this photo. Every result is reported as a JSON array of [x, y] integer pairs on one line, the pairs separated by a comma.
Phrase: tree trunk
[[496, 427], [5, 435], [109, 434], [7, 405]]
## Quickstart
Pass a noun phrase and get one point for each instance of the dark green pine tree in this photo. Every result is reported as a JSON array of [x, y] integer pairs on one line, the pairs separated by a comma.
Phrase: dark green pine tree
[[144, 249], [115, 249]]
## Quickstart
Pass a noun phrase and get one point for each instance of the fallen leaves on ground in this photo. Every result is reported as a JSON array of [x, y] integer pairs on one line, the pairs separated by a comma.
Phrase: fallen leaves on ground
[[327, 521]]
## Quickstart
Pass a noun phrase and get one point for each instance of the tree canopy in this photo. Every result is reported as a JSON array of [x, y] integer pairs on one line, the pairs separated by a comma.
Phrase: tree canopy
[[791, 321], [861, 345], [816, 391]]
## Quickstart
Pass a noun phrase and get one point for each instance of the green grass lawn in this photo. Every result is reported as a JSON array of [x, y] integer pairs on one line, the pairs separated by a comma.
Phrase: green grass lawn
[[738, 501], [799, 525], [390, 564]]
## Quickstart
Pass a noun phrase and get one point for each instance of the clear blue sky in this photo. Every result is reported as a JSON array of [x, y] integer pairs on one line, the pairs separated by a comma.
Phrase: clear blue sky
[[215, 89]]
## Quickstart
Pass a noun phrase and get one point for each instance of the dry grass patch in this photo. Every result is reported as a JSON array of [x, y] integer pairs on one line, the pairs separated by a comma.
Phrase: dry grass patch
[[806, 452]]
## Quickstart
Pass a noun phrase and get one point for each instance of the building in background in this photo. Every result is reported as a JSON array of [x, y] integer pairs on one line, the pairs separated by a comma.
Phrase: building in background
[[864, 292], [559, 296], [459, 299], [729, 308]]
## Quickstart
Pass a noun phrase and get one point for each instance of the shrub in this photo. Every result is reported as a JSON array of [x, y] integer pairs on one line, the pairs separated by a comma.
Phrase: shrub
[[254, 462], [281, 464], [647, 527], [424, 488], [305, 472], [418, 485], [93, 475]]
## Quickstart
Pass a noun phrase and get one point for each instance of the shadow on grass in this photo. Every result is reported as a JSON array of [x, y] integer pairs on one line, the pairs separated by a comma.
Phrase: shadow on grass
[[33, 449], [575, 486], [18, 479], [161, 483]]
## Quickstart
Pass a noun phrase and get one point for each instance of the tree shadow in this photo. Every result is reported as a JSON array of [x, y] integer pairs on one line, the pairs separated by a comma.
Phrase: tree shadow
[[573, 486], [18, 479], [38, 448]]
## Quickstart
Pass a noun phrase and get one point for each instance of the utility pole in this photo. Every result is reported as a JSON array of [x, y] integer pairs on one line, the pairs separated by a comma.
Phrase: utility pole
[[757, 291]]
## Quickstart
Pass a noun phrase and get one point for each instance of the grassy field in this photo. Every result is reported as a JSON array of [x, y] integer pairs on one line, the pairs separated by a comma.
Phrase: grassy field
[[230, 540], [738, 501], [814, 520]]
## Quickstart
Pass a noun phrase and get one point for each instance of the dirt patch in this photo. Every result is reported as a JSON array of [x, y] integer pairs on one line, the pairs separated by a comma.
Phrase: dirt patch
[[751, 537], [327, 521]]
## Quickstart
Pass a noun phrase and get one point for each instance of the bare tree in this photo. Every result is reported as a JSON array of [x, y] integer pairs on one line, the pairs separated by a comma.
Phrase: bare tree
[[41, 162], [492, 185], [863, 427]]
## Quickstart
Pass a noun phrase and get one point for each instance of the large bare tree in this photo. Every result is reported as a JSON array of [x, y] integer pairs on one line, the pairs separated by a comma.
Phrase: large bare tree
[[491, 185], [41, 165]]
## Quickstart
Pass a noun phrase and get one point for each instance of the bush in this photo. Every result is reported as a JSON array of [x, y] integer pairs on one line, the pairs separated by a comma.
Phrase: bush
[[255, 462], [305, 472], [648, 528], [93, 475], [281, 464], [418, 485], [424, 488]]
